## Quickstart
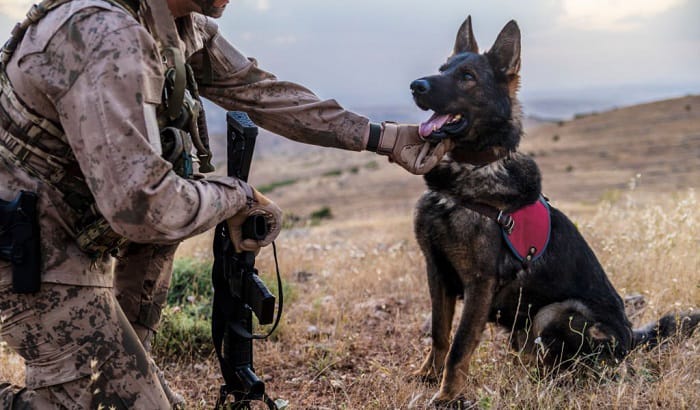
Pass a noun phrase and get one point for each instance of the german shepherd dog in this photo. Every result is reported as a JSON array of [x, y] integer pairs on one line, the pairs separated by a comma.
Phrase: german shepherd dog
[[562, 303]]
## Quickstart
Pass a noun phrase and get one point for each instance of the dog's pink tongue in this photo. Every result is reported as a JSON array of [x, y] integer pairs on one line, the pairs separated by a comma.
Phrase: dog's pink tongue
[[435, 122]]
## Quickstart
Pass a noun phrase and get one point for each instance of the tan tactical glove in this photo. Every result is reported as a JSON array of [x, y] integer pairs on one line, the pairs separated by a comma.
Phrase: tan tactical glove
[[403, 145], [257, 204]]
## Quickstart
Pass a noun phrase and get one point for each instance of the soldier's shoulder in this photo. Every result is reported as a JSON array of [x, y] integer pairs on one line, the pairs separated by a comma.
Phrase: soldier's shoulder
[[93, 16]]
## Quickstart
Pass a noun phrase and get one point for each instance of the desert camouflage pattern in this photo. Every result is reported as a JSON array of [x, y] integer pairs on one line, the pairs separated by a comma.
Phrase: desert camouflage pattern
[[80, 351], [94, 69], [141, 282]]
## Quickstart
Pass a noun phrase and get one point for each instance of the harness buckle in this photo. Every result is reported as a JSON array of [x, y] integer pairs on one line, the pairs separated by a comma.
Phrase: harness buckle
[[506, 221]]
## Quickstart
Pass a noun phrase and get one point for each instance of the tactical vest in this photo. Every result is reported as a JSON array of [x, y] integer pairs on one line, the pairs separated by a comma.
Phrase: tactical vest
[[23, 136]]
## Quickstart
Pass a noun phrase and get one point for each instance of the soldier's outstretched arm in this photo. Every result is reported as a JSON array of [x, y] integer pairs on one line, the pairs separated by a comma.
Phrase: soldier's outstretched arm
[[235, 82]]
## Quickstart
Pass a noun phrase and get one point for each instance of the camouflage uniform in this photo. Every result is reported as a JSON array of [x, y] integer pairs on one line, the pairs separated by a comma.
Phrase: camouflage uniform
[[94, 72]]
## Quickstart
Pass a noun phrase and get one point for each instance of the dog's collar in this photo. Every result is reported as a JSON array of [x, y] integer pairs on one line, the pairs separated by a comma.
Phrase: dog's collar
[[478, 157]]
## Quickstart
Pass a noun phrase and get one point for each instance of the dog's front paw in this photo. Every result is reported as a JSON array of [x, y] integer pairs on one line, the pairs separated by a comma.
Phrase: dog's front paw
[[443, 401], [429, 376]]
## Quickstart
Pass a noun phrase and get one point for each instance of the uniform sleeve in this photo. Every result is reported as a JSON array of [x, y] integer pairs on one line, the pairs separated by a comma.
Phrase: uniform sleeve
[[285, 108], [106, 107]]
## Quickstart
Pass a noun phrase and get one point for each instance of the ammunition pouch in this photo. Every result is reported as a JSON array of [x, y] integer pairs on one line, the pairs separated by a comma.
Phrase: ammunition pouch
[[19, 241], [182, 122], [98, 238], [176, 150]]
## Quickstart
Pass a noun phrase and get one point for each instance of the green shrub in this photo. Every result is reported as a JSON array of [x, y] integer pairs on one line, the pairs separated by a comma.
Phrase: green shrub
[[264, 189], [322, 213], [185, 330], [191, 279], [372, 165], [333, 173]]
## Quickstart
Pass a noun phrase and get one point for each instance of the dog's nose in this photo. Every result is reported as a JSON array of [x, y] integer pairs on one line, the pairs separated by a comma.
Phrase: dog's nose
[[420, 86]]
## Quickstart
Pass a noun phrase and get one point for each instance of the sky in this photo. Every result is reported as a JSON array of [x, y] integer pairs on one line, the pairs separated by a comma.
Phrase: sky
[[365, 53]]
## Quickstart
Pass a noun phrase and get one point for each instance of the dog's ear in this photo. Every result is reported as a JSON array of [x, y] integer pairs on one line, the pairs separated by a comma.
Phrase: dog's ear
[[465, 38], [505, 53]]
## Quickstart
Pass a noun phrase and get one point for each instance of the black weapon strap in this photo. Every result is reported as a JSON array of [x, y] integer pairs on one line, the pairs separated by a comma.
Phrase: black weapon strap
[[219, 308], [242, 332]]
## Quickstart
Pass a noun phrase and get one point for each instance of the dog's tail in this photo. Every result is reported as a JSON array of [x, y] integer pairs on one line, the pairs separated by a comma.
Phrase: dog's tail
[[673, 326]]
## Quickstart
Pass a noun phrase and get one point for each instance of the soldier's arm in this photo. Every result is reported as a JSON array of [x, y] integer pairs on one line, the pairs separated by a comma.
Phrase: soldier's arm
[[104, 75], [283, 107]]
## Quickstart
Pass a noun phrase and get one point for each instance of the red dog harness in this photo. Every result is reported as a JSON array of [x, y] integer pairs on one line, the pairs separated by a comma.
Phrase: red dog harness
[[530, 231], [526, 231]]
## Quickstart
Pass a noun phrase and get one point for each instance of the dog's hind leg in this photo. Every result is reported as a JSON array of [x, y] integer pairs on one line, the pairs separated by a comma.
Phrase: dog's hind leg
[[478, 295], [443, 309], [673, 326]]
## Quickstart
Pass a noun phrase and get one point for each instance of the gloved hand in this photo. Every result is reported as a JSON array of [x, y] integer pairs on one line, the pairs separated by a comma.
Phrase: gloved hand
[[257, 204], [403, 145]]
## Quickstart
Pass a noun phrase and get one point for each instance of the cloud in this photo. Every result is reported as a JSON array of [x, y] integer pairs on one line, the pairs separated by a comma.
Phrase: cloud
[[263, 5], [285, 40], [612, 15], [15, 9]]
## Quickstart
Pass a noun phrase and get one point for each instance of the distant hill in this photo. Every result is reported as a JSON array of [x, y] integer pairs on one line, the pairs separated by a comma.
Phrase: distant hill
[[654, 147]]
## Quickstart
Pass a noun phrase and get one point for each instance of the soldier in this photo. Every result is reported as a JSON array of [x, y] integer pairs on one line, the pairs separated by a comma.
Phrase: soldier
[[99, 111]]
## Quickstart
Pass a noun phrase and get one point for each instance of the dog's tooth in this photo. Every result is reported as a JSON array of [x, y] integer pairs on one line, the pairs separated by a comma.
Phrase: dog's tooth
[[457, 117]]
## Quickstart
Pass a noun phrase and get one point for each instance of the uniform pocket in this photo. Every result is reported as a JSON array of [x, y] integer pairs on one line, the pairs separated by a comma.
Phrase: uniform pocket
[[152, 89]]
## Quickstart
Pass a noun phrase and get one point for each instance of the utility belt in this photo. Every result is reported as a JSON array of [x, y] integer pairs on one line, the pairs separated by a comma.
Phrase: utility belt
[[19, 241]]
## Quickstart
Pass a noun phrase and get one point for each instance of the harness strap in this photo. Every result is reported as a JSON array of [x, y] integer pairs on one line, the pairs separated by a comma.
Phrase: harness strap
[[198, 127], [177, 75], [132, 6], [24, 145], [503, 219], [36, 13], [164, 30]]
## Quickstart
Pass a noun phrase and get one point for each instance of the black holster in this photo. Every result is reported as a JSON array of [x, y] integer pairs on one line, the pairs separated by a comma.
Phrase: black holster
[[19, 241]]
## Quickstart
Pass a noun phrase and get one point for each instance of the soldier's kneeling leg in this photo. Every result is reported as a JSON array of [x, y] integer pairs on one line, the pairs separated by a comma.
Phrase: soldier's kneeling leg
[[80, 350]]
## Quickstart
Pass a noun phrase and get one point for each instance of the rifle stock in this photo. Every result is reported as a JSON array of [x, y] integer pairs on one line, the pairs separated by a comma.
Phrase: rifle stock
[[238, 291]]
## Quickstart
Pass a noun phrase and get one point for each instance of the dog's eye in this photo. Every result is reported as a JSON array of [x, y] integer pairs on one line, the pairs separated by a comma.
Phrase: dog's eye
[[469, 77]]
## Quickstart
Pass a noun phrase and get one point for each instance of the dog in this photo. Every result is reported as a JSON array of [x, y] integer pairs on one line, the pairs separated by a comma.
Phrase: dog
[[556, 299]]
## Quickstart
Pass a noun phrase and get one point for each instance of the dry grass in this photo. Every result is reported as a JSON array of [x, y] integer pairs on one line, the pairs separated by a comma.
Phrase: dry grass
[[352, 331], [352, 327]]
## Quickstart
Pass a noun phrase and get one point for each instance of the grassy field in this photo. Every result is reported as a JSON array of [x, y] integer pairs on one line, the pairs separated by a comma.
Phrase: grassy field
[[357, 304], [356, 299], [355, 320]]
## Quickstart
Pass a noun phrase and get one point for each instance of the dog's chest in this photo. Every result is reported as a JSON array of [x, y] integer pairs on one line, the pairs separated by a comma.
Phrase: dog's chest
[[447, 225]]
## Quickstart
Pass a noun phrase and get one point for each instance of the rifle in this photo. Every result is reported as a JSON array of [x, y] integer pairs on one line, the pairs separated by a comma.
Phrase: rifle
[[238, 291]]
